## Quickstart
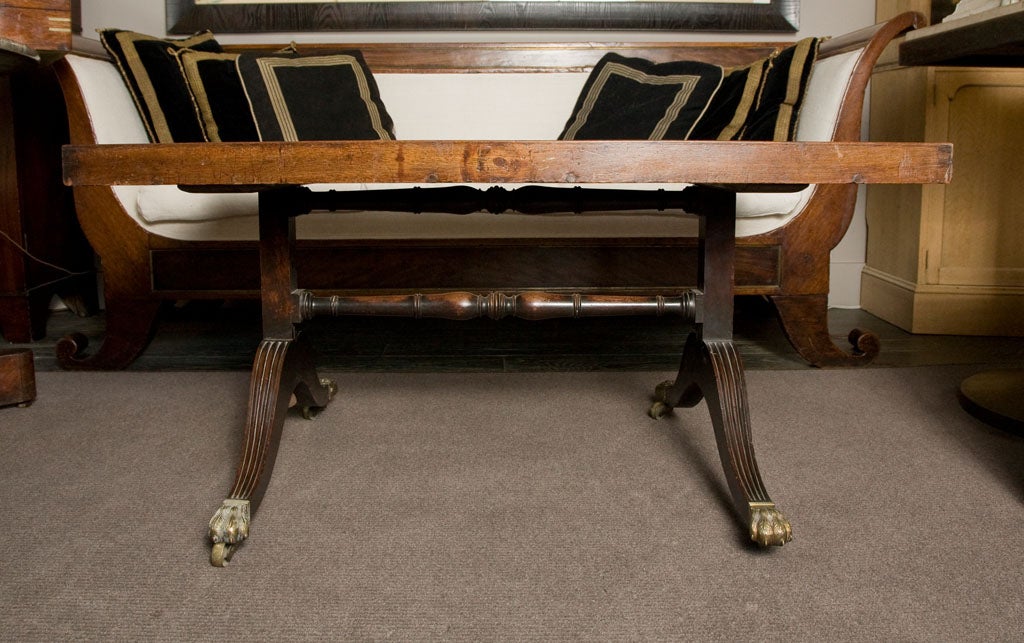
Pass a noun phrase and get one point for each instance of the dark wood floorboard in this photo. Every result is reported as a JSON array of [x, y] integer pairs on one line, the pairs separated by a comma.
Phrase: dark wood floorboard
[[211, 336]]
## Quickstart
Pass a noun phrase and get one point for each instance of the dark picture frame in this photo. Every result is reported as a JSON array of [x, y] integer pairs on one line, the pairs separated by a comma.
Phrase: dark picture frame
[[185, 16]]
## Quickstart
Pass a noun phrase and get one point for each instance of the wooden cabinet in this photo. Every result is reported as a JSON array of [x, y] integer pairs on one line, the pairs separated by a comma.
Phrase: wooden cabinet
[[42, 250], [949, 259], [43, 25]]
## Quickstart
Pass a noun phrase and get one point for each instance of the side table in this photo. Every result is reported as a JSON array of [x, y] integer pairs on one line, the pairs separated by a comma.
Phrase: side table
[[17, 377], [42, 249]]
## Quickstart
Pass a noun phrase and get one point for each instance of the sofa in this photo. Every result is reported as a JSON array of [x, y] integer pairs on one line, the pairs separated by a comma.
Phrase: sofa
[[161, 243]]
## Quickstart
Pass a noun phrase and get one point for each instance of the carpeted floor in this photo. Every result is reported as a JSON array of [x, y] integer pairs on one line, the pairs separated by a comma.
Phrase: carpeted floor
[[510, 507]]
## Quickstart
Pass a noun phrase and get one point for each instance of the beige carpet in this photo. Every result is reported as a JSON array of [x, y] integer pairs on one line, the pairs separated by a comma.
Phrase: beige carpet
[[510, 507]]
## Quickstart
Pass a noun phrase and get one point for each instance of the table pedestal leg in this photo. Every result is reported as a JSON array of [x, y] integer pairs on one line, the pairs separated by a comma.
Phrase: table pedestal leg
[[712, 370], [281, 367]]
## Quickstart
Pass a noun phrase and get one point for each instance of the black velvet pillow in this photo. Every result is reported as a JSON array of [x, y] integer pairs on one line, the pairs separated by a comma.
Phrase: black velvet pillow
[[314, 98], [150, 69], [775, 112], [633, 98], [728, 110], [218, 95]]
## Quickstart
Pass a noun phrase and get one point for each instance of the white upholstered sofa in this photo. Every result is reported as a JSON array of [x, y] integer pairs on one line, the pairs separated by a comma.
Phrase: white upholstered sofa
[[160, 243]]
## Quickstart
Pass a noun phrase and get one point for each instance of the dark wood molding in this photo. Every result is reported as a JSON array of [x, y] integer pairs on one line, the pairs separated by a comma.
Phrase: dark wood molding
[[184, 16], [990, 39]]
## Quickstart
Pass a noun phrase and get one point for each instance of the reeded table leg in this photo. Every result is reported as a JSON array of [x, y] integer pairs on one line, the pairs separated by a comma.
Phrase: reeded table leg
[[281, 367], [713, 370]]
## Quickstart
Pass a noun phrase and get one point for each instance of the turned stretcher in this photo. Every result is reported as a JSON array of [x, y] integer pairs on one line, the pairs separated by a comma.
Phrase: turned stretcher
[[710, 367]]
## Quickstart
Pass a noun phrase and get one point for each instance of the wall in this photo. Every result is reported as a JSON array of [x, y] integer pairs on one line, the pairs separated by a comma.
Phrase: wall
[[817, 17]]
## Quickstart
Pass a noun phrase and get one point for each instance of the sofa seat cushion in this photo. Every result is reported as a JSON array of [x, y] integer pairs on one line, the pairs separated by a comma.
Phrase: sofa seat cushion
[[360, 225], [166, 210]]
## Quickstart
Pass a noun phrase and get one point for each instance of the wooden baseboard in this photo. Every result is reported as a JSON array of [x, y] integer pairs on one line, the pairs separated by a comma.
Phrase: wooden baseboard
[[943, 310]]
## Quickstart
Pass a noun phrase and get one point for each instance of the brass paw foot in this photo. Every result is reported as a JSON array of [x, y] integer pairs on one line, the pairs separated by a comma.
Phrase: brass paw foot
[[228, 528], [330, 385], [768, 526]]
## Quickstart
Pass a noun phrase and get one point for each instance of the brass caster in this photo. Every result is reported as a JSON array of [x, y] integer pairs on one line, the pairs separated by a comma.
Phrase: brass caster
[[661, 407], [310, 412], [221, 554], [864, 342], [659, 410]]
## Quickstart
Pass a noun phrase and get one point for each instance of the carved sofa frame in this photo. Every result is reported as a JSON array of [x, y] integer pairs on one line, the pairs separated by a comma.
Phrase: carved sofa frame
[[710, 367], [790, 264]]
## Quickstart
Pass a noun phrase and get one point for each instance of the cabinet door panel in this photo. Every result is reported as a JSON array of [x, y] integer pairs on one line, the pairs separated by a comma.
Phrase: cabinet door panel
[[983, 214]]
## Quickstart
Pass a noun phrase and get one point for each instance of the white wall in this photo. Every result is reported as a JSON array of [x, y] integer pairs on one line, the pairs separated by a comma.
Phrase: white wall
[[817, 18]]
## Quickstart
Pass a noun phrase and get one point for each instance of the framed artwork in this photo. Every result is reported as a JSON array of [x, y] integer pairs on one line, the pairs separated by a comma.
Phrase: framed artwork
[[243, 16], [941, 9]]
